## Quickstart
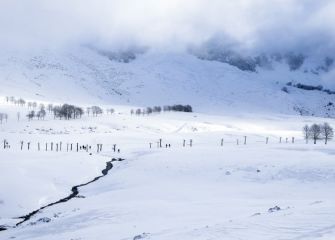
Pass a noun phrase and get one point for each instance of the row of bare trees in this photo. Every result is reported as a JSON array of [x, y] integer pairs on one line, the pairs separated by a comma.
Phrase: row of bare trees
[[158, 109], [95, 110], [40, 115], [178, 108], [15, 101], [21, 102], [148, 110], [67, 111], [318, 132]]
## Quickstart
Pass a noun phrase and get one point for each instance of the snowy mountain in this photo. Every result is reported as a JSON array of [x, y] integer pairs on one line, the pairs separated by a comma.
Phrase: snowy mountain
[[167, 120], [209, 80]]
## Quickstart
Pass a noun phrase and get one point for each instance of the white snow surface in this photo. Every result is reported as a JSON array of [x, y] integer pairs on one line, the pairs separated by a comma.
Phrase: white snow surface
[[206, 191]]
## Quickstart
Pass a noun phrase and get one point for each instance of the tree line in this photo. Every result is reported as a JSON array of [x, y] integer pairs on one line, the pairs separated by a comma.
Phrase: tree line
[[64, 111], [67, 111], [158, 109]]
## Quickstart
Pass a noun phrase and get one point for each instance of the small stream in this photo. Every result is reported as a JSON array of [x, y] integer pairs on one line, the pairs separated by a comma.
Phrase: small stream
[[74, 193]]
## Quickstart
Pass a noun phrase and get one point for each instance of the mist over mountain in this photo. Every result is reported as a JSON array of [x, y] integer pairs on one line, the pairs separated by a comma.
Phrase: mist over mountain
[[245, 26], [250, 61]]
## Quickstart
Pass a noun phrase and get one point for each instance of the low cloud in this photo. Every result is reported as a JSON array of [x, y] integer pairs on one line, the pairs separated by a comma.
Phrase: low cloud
[[304, 25]]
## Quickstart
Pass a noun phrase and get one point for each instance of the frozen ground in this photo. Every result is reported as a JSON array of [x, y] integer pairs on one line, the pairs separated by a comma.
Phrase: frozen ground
[[207, 191], [255, 191]]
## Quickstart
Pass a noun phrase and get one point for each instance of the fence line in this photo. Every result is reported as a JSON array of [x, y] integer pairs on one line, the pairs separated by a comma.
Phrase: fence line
[[160, 143]]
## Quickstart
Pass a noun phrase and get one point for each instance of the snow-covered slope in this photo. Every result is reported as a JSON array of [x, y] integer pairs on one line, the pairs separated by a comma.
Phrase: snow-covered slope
[[84, 75]]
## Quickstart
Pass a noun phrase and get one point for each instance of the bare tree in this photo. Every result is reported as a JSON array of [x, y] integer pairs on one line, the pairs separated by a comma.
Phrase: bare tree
[[41, 114], [12, 99], [30, 105], [96, 110], [2, 116], [78, 112], [157, 109], [34, 105], [149, 110], [21, 102], [327, 132], [31, 115], [315, 132], [56, 111], [306, 132], [50, 107], [110, 110], [42, 106]]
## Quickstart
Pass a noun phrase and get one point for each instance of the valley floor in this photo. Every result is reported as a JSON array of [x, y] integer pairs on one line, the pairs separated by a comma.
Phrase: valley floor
[[207, 191]]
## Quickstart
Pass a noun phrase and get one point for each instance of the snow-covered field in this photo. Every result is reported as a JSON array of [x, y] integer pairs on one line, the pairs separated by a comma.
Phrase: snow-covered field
[[207, 191]]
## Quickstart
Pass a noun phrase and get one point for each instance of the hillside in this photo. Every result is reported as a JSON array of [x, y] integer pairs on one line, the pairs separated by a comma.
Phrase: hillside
[[210, 84]]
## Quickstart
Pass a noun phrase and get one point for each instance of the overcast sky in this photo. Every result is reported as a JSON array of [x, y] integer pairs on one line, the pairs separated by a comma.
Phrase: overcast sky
[[166, 24]]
